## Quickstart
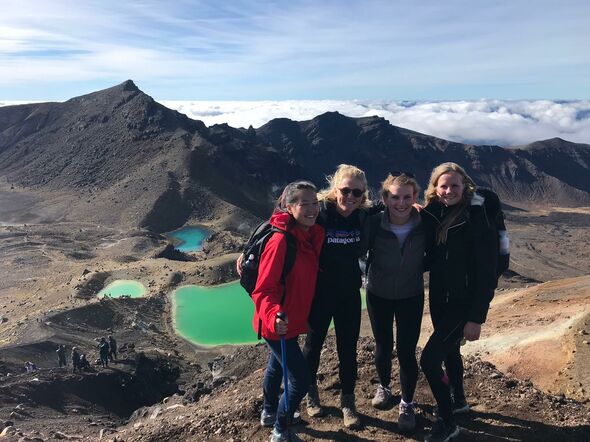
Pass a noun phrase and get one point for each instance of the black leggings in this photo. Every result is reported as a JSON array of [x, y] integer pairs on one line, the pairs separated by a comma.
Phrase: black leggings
[[408, 319], [444, 346], [344, 306]]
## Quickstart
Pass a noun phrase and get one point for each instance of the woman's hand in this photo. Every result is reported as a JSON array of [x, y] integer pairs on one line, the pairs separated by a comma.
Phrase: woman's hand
[[471, 331], [239, 264], [281, 326]]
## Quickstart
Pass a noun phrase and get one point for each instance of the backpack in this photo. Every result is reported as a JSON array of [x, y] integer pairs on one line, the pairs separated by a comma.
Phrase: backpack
[[251, 259], [253, 251], [495, 216]]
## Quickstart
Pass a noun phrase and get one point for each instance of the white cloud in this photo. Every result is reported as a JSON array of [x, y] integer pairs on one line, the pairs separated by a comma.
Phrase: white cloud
[[500, 122], [506, 123]]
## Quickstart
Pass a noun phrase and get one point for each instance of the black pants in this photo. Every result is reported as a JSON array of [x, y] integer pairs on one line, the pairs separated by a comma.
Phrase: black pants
[[344, 306], [408, 319], [444, 346]]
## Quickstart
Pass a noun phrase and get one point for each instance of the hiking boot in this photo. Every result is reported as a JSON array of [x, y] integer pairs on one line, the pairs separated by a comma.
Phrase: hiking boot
[[460, 406], [442, 431], [382, 398], [267, 419], [349, 414], [314, 408], [407, 417], [279, 436]]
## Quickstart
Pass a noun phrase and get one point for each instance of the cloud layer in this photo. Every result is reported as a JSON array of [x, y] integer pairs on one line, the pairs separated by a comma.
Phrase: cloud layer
[[504, 123]]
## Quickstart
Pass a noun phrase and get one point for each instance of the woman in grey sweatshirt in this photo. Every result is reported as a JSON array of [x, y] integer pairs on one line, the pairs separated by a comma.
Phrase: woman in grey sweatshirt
[[395, 290]]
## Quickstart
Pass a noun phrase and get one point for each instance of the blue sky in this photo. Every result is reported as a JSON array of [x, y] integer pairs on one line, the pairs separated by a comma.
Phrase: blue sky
[[278, 50]]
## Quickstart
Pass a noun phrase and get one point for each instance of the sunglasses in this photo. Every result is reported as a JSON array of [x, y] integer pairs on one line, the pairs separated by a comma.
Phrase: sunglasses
[[357, 193], [396, 173]]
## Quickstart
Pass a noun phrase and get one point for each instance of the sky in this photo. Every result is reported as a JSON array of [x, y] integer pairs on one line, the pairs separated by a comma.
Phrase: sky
[[503, 72], [298, 49]]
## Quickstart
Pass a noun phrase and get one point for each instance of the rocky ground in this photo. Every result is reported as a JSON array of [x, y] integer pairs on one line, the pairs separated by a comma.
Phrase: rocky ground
[[537, 339]]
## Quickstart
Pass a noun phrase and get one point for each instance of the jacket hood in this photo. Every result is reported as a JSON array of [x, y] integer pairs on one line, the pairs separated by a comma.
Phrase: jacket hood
[[281, 220]]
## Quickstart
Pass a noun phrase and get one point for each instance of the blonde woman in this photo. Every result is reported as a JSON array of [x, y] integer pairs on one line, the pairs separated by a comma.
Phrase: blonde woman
[[338, 287], [462, 251]]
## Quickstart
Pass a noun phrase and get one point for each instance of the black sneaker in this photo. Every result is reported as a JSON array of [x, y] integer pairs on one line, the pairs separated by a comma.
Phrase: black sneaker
[[460, 406], [442, 431]]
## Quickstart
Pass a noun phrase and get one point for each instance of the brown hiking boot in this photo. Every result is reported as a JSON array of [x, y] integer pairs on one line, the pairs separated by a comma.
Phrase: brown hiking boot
[[314, 407], [349, 414]]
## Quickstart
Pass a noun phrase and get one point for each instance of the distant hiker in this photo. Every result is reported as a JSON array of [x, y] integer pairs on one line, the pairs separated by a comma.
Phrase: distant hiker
[[75, 360], [30, 367], [103, 350], [61, 355], [296, 213], [343, 210], [84, 364], [395, 290], [112, 348], [462, 256]]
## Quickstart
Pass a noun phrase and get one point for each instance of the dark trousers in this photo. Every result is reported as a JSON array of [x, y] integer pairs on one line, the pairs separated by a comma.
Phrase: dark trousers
[[273, 376], [61, 361], [444, 346], [344, 306], [408, 319]]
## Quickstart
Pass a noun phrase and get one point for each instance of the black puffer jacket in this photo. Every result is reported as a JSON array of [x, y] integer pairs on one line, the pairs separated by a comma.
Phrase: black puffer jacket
[[462, 270]]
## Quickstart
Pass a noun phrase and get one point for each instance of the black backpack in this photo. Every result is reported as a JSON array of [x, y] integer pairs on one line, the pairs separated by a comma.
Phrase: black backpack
[[251, 259], [495, 215]]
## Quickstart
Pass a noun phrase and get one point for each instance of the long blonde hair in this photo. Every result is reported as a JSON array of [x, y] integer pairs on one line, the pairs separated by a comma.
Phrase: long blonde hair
[[430, 196], [344, 171]]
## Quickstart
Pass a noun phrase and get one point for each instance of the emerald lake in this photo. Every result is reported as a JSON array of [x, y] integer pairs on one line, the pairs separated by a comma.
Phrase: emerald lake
[[123, 287], [216, 315]]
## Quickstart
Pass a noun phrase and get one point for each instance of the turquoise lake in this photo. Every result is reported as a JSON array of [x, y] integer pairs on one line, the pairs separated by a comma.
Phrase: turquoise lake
[[216, 315], [189, 238], [123, 287]]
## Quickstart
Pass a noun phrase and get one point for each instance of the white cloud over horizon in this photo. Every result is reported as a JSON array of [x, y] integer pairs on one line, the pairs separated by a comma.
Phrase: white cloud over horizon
[[499, 122]]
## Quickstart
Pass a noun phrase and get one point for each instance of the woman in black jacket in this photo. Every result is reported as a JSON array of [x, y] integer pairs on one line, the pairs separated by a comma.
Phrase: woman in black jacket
[[342, 214], [462, 250]]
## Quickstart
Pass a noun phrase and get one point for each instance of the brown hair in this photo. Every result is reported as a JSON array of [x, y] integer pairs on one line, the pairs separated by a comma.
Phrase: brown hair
[[430, 196], [344, 171], [401, 179]]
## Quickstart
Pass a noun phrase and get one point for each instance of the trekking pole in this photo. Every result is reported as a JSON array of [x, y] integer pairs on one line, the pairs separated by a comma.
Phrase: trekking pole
[[283, 316]]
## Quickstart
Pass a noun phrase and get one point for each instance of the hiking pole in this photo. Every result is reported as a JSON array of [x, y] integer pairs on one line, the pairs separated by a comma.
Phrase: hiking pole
[[283, 316]]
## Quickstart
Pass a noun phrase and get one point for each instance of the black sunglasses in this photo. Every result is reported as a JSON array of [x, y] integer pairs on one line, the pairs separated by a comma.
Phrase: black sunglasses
[[357, 193], [396, 173]]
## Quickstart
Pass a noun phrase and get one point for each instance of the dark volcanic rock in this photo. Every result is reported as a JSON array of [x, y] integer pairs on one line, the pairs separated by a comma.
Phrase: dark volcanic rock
[[132, 160]]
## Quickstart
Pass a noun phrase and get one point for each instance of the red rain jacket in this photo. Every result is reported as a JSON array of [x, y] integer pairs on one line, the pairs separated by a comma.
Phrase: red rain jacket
[[300, 281]]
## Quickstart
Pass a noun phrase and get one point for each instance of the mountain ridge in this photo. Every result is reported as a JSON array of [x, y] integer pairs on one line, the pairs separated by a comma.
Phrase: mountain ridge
[[118, 146]]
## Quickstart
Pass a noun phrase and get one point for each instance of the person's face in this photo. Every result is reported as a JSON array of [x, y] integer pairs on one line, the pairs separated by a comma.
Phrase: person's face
[[346, 201], [306, 209], [449, 188], [399, 200]]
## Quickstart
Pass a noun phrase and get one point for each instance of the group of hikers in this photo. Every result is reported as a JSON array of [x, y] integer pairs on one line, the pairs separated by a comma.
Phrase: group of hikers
[[452, 237], [107, 351]]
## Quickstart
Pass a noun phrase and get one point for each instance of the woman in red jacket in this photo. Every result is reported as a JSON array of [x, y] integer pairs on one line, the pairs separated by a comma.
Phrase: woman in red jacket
[[296, 213]]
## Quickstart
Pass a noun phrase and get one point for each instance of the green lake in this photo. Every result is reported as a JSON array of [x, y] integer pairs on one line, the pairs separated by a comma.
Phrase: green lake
[[189, 239], [216, 315], [123, 287]]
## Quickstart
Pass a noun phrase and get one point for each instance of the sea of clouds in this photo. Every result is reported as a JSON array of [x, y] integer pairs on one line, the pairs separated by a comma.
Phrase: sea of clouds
[[500, 122]]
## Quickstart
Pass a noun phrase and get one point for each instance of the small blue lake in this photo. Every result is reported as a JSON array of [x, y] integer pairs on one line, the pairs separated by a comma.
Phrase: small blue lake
[[189, 238]]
